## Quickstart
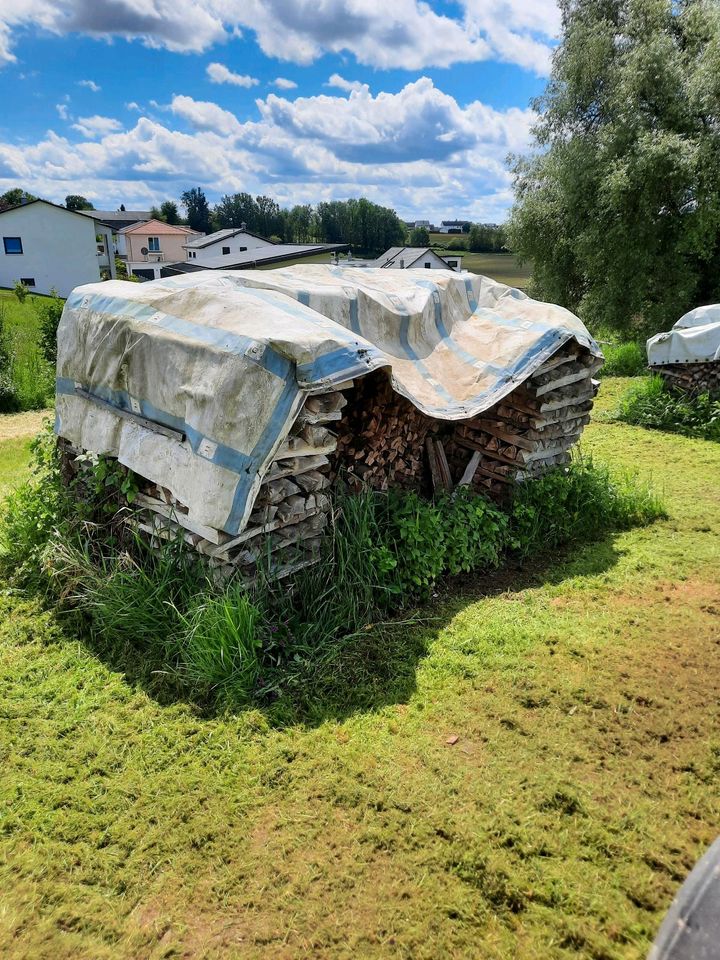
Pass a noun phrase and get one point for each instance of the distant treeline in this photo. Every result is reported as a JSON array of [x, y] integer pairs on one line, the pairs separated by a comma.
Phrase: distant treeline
[[366, 226]]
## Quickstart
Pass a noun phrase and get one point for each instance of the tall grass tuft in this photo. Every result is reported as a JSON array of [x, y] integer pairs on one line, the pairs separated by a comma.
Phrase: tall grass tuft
[[624, 360], [651, 404]]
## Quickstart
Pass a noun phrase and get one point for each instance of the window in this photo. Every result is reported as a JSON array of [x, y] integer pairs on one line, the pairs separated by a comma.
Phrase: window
[[242, 249], [12, 244], [428, 266], [225, 251], [191, 255], [28, 281], [154, 244]]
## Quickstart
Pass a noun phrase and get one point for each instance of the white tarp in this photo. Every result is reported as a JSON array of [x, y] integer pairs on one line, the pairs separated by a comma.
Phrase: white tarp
[[695, 338], [226, 358]]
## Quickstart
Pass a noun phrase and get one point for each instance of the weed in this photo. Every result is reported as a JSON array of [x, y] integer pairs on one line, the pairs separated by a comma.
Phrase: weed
[[624, 360], [651, 404]]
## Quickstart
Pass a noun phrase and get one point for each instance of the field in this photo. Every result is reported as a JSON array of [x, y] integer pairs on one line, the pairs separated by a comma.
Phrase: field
[[534, 777]]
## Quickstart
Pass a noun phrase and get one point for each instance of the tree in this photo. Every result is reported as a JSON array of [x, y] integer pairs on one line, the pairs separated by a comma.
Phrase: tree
[[198, 211], [75, 202], [420, 237], [619, 212], [235, 209], [169, 212], [14, 197]]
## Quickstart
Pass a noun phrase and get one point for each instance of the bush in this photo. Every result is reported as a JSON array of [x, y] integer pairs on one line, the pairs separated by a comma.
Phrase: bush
[[21, 291], [624, 360], [49, 311], [651, 404], [579, 502]]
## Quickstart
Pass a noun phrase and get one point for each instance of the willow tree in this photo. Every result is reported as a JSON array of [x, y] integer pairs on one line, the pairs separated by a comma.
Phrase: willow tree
[[618, 207]]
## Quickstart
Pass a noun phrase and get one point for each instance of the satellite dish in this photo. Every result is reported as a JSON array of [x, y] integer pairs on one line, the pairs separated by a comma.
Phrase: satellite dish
[[144, 251]]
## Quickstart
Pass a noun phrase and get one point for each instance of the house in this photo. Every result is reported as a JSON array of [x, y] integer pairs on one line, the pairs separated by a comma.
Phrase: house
[[407, 258], [226, 243], [251, 258], [118, 219], [420, 224], [453, 226], [49, 248], [145, 246]]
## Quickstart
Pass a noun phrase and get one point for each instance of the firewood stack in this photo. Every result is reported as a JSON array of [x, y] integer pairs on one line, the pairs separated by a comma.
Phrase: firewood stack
[[692, 378], [384, 441], [369, 436]]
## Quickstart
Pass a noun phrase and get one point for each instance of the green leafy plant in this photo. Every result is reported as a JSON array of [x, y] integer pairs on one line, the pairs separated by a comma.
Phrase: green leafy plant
[[20, 291], [49, 311], [651, 404], [624, 360]]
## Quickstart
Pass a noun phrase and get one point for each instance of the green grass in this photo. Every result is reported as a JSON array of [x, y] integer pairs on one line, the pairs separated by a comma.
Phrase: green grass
[[34, 377], [651, 404], [14, 462], [580, 790], [624, 360]]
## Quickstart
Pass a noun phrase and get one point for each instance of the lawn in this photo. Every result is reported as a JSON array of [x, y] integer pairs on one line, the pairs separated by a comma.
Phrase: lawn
[[533, 778]]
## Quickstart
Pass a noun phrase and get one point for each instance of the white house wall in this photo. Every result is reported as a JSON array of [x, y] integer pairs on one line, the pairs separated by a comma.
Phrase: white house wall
[[213, 250], [59, 249]]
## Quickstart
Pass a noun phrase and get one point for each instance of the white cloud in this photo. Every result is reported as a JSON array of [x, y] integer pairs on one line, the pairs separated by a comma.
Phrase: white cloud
[[282, 84], [62, 110], [418, 151], [342, 84], [133, 106], [218, 73], [408, 34], [203, 115], [92, 127], [90, 84]]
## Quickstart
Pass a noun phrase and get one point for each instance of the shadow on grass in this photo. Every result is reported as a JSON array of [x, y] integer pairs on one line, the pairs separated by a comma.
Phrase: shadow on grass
[[366, 672]]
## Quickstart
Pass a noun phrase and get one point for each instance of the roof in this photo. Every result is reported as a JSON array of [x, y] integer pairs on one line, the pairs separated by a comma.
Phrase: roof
[[117, 219], [392, 257], [204, 241], [88, 214], [275, 254], [160, 228], [454, 223]]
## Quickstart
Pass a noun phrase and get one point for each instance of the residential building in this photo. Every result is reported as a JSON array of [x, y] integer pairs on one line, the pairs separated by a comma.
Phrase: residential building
[[230, 243], [146, 246], [49, 248], [453, 226], [270, 255], [409, 258]]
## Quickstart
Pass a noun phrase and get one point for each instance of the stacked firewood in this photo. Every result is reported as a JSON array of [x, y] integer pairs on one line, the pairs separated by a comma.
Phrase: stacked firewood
[[384, 441], [692, 378], [291, 511], [369, 436]]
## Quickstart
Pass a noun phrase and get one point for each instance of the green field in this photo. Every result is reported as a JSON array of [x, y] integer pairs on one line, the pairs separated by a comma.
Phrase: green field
[[33, 376], [581, 788]]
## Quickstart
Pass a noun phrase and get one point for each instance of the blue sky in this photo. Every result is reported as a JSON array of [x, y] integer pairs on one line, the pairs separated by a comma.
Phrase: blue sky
[[414, 105]]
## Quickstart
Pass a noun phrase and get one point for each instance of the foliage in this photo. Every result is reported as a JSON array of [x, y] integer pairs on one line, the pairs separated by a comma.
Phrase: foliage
[[651, 404], [624, 360], [49, 311], [8, 387], [619, 208], [419, 237], [76, 202], [20, 291], [14, 197], [167, 212], [456, 243], [579, 503], [197, 209], [486, 238]]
